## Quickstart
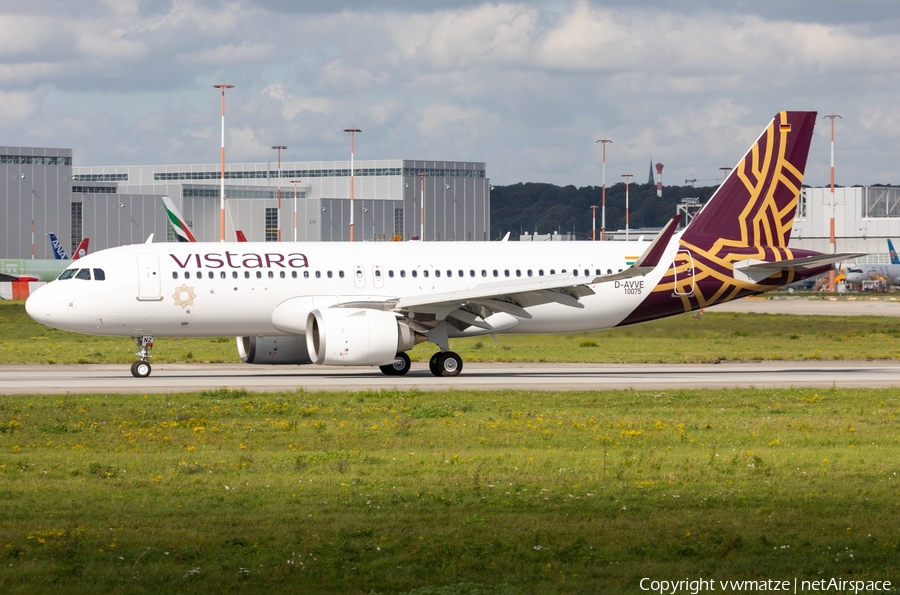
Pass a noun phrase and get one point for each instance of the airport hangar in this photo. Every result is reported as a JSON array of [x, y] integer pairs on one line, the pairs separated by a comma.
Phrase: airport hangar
[[117, 205]]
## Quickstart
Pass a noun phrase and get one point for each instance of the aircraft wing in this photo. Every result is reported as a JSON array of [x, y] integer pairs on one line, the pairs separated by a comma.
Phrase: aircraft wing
[[465, 307]]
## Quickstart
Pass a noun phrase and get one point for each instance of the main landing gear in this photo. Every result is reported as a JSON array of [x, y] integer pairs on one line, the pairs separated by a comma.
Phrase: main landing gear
[[445, 363], [398, 367], [442, 363], [141, 368]]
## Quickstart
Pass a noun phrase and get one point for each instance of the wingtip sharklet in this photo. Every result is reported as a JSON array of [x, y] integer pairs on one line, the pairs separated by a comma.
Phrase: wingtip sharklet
[[657, 248]]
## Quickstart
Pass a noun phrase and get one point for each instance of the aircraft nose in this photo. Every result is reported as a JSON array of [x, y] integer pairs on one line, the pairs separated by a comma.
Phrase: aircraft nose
[[38, 305]]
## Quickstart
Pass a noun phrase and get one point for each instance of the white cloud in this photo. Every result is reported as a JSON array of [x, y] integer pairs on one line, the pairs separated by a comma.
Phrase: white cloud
[[291, 105]]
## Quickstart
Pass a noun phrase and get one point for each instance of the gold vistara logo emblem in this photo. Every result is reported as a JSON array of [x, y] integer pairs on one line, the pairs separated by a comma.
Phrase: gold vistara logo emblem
[[184, 296]]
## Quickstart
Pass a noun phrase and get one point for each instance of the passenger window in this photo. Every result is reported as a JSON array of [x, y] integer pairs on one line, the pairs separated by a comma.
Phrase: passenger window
[[341, 274], [495, 272], [415, 273], [425, 273], [222, 274], [598, 272], [174, 275], [282, 275], [506, 272], [377, 274], [271, 274], [293, 274], [540, 272], [84, 274], [329, 274], [483, 273], [552, 271], [391, 273], [69, 273], [574, 273], [609, 271], [461, 274], [529, 272], [211, 275], [187, 274], [306, 274], [587, 273], [318, 275], [259, 274], [99, 275], [518, 273], [471, 273], [199, 274], [246, 274], [437, 273], [403, 273], [234, 275]]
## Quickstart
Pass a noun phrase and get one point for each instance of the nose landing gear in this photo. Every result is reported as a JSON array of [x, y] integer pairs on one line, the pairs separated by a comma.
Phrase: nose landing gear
[[141, 369]]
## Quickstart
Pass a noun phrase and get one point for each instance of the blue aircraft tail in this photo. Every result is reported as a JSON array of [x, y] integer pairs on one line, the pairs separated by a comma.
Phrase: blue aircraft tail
[[59, 253], [894, 259]]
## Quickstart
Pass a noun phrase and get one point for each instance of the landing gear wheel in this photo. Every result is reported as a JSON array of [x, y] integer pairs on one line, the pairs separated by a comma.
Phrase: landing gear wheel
[[433, 363], [398, 367], [140, 369], [449, 364]]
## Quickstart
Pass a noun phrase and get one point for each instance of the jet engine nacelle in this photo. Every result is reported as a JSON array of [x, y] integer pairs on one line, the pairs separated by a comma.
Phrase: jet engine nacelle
[[273, 350], [356, 337]]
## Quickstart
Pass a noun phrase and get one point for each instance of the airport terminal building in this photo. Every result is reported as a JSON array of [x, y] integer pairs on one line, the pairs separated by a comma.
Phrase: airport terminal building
[[117, 205], [865, 217]]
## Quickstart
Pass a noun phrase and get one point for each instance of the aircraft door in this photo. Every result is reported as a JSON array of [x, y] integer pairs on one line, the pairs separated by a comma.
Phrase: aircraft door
[[148, 278], [684, 274], [359, 277], [377, 276]]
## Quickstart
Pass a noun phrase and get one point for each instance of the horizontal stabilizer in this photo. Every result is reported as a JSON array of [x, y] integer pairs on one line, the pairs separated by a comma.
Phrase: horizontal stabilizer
[[755, 271]]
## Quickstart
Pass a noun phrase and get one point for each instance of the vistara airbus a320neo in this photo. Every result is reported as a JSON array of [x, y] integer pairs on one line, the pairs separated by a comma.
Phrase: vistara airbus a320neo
[[355, 304]]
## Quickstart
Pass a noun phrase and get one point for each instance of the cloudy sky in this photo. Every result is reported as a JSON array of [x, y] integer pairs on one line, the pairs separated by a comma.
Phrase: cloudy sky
[[525, 86]]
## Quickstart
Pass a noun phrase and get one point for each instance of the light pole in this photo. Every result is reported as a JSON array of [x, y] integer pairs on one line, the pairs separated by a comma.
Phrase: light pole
[[222, 86], [627, 179], [831, 234], [352, 132], [604, 142], [295, 182], [421, 206], [32, 194], [278, 191], [594, 223]]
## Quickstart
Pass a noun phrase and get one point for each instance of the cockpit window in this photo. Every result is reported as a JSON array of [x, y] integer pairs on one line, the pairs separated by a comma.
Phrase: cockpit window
[[84, 274], [68, 274], [99, 275]]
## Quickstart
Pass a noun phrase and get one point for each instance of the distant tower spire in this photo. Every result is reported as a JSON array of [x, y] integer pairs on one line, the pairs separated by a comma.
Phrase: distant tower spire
[[650, 180]]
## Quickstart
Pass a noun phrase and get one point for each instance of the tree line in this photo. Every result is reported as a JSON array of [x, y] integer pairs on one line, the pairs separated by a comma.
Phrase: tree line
[[547, 208]]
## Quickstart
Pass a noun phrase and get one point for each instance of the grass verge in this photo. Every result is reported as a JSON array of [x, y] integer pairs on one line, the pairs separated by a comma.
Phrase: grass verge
[[456, 492]]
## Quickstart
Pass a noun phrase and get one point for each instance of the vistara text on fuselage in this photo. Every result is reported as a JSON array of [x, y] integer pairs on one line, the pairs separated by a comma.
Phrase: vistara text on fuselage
[[366, 304]]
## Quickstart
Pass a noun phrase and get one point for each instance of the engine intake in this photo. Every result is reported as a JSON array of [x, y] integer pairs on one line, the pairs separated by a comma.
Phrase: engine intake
[[356, 337]]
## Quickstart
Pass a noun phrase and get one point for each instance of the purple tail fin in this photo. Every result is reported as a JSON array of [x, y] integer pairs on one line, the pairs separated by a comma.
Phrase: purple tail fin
[[756, 203]]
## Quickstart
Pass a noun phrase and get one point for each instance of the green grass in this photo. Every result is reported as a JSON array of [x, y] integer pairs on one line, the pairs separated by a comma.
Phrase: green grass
[[388, 492], [716, 337]]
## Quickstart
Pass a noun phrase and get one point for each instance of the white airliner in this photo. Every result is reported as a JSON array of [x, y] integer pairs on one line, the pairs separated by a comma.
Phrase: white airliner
[[366, 304]]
